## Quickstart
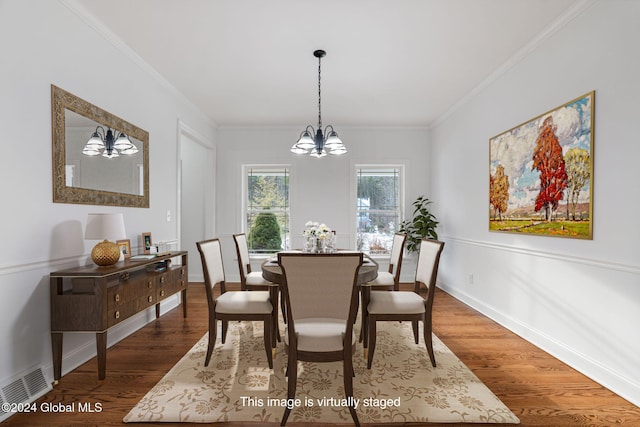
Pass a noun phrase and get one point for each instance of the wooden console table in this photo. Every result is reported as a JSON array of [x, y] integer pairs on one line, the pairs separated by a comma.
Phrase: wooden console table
[[93, 299]]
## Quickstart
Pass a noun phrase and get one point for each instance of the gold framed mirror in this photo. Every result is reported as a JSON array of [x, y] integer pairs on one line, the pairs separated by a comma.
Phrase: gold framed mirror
[[81, 174]]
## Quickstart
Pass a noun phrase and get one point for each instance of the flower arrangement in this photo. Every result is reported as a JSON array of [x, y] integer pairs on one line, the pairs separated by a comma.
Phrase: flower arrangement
[[314, 229], [319, 237]]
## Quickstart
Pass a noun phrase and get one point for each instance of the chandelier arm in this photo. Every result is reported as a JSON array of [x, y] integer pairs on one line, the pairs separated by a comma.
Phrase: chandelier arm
[[102, 135], [326, 130]]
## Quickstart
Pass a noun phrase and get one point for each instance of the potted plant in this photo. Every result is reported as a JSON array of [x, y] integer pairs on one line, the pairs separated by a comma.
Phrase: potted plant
[[423, 224]]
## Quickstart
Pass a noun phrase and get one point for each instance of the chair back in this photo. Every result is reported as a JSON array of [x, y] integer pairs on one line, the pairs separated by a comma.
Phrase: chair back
[[242, 250], [395, 262], [320, 285], [212, 267], [428, 262]]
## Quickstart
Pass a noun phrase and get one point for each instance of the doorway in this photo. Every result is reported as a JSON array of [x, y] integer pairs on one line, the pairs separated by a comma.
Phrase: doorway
[[197, 214]]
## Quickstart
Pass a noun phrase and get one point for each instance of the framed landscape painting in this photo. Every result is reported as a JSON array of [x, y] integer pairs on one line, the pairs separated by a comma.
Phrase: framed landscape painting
[[541, 174]]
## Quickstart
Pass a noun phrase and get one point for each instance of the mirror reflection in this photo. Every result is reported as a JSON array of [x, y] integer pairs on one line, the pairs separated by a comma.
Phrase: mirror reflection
[[98, 158]]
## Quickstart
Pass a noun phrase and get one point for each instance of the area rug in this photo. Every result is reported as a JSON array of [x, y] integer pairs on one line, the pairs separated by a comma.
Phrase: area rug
[[400, 387]]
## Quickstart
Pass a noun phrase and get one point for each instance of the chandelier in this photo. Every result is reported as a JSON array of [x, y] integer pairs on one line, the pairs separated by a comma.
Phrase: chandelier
[[109, 145], [315, 142]]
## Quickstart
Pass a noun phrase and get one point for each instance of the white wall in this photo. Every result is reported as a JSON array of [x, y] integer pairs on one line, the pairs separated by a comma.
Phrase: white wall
[[43, 43], [320, 189], [577, 299]]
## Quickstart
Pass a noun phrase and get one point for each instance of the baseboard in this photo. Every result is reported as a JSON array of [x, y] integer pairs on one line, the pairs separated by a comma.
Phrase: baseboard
[[612, 380]]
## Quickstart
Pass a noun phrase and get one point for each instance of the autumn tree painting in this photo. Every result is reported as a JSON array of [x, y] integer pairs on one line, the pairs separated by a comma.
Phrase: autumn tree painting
[[499, 192], [578, 165], [541, 174], [548, 160]]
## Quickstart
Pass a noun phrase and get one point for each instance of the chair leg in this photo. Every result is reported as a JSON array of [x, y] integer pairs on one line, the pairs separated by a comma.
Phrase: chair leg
[[429, 342], [364, 325], [358, 308], [363, 328], [414, 324], [348, 387], [292, 374], [371, 336], [275, 331], [225, 326], [268, 330], [213, 329], [283, 309]]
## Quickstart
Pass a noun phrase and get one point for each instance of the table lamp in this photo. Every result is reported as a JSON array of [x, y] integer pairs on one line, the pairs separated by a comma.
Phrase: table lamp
[[104, 226]]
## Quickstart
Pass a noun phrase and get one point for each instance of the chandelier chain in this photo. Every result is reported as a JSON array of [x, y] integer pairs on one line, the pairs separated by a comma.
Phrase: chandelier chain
[[319, 95]]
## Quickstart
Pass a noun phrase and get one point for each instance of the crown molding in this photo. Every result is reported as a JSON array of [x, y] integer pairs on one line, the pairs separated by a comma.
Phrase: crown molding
[[563, 20], [102, 30]]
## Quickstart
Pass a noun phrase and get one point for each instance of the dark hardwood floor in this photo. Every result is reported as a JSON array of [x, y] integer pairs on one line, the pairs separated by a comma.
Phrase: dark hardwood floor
[[539, 389]]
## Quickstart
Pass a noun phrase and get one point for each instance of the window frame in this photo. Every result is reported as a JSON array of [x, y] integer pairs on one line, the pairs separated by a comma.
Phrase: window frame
[[356, 171], [273, 168]]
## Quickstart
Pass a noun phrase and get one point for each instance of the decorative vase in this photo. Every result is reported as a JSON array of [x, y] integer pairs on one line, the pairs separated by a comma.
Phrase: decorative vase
[[310, 244]]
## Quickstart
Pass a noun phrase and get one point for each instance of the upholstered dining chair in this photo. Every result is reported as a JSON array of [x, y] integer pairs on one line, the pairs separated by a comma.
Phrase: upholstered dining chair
[[320, 291], [249, 280], [232, 305], [389, 279], [407, 305]]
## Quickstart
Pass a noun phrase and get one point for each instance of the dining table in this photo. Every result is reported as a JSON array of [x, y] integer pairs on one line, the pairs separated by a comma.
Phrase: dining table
[[272, 272]]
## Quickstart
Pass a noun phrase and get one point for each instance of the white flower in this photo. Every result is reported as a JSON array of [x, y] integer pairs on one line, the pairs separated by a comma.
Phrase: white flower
[[313, 228]]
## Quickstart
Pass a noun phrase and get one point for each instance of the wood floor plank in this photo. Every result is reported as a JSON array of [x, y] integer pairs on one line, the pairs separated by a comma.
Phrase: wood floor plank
[[539, 389]]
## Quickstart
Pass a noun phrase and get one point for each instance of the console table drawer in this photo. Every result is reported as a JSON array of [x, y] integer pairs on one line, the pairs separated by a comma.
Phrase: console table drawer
[[171, 282], [129, 308], [128, 290]]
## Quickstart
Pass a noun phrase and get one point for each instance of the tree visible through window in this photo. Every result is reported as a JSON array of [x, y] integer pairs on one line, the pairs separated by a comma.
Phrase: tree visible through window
[[267, 212], [378, 207]]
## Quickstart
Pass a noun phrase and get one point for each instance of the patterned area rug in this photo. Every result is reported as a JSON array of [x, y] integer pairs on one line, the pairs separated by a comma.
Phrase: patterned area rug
[[401, 386]]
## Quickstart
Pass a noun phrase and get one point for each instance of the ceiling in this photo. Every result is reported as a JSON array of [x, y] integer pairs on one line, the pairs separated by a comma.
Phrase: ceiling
[[388, 63]]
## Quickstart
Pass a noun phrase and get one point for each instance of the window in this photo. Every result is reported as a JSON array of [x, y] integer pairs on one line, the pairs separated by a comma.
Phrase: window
[[267, 208], [378, 207]]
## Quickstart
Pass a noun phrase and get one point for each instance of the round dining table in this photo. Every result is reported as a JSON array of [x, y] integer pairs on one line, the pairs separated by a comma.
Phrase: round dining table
[[272, 272]]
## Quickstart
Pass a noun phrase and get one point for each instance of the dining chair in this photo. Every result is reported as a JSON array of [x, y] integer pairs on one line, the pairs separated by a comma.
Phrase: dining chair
[[407, 305], [320, 291], [386, 280], [232, 305], [249, 280], [390, 279]]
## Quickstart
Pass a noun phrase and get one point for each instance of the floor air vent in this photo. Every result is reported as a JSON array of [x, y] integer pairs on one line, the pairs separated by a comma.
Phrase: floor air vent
[[24, 389], [15, 392], [35, 382]]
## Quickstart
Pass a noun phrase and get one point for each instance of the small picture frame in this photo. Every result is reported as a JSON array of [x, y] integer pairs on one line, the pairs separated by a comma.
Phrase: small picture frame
[[146, 243], [125, 247]]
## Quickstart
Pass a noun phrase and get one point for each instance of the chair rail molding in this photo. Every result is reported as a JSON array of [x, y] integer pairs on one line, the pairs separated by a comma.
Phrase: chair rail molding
[[591, 262]]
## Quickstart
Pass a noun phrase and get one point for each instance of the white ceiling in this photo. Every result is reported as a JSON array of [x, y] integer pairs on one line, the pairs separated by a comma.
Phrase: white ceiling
[[388, 63]]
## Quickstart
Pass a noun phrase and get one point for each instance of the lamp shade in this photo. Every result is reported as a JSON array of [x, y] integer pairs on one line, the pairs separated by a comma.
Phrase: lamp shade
[[105, 226]]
